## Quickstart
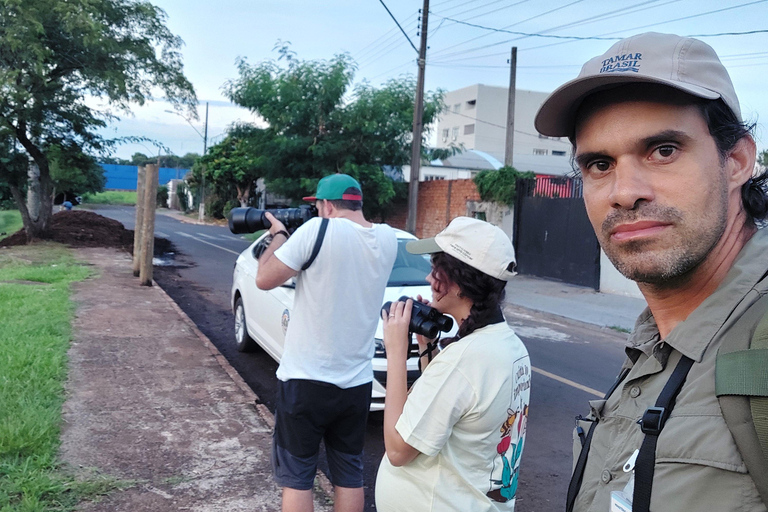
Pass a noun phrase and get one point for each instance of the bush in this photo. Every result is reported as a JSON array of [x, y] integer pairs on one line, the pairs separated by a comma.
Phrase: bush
[[162, 196], [500, 186], [181, 194]]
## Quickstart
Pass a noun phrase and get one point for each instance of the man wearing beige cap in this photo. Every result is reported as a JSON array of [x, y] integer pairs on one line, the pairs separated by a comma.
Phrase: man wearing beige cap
[[667, 165]]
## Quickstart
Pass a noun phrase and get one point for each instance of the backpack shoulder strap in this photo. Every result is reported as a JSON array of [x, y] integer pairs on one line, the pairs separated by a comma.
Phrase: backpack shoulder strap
[[741, 385], [318, 243]]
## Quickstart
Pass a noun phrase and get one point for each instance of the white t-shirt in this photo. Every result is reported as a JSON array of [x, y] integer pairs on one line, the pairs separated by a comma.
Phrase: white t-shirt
[[337, 302], [467, 415]]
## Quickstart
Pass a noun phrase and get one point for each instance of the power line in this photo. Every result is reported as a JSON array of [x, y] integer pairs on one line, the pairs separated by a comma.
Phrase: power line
[[691, 17], [590, 19], [508, 26], [398, 25]]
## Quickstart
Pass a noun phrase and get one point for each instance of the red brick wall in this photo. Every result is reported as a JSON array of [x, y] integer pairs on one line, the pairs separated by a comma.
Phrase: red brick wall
[[440, 201]]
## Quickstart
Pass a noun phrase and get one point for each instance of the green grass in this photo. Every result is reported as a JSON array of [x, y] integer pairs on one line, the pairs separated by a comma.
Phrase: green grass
[[37, 314], [10, 222], [251, 237], [110, 197], [618, 328]]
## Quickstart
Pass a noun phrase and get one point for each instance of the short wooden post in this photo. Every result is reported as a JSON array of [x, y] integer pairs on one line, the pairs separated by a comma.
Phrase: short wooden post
[[148, 224], [139, 220]]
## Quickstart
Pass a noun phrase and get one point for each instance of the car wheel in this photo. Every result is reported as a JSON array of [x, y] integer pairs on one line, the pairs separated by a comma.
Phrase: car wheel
[[244, 342]]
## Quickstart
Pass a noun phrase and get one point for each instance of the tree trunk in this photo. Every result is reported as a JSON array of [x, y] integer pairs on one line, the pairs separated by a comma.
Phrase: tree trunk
[[38, 226]]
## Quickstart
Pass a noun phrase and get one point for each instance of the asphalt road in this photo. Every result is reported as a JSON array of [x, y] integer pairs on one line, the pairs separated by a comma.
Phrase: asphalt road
[[572, 361]]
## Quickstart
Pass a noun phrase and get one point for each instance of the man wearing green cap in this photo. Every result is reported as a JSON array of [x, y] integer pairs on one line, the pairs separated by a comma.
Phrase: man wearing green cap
[[325, 373], [667, 165]]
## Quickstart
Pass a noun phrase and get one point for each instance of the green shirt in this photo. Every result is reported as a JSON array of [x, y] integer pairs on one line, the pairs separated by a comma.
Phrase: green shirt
[[698, 466]]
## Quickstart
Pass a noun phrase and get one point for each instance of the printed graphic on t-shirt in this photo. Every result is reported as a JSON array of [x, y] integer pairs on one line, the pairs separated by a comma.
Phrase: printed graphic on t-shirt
[[506, 464]]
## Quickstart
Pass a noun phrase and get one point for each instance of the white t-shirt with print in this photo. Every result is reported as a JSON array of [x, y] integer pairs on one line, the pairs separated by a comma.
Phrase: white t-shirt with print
[[337, 302], [467, 415]]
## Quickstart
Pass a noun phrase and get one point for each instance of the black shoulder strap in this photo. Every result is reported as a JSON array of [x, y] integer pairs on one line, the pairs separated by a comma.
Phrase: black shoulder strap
[[651, 424], [318, 243], [581, 463]]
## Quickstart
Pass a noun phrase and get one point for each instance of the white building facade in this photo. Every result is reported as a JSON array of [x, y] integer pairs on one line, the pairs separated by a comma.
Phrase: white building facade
[[476, 117]]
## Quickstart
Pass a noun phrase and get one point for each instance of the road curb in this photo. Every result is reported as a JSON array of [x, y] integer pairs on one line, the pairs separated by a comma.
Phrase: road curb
[[322, 480]]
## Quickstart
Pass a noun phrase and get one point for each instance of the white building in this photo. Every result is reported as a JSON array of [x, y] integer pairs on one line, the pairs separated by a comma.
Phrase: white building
[[476, 117]]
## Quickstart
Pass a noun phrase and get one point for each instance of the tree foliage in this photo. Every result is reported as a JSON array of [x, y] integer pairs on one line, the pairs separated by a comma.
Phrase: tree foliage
[[56, 54], [319, 124], [762, 158], [500, 186], [234, 165]]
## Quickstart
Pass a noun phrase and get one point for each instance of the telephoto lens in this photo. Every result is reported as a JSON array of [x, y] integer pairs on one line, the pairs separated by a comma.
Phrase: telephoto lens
[[251, 220], [425, 320]]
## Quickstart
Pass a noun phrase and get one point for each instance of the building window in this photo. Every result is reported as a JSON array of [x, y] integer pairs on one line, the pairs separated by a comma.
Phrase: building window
[[537, 151], [457, 108], [445, 134], [455, 133], [558, 153], [433, 177], [471, 104], [479, 215], [469, 129]]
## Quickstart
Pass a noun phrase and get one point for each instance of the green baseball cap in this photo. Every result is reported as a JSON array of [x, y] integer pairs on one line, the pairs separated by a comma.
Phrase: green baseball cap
[[337, 186]]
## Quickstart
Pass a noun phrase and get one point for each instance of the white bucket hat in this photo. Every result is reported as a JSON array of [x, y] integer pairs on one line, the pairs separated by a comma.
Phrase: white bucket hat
[[475, 242], [683, 63]]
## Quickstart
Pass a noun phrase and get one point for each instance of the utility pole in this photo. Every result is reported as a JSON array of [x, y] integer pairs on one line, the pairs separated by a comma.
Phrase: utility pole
[[418, 114], [139, 224], [201, 209], [148, 224], [511, 109]]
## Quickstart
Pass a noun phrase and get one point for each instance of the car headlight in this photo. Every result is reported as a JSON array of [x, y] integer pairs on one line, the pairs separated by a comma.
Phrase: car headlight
[[379, 351]]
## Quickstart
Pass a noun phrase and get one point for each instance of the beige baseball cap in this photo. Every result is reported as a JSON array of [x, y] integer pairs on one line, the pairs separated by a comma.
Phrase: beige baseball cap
[[477, 243], [684, 63]]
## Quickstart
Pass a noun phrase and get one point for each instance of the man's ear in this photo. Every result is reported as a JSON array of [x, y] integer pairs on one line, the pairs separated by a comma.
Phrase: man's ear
[[740, 161]]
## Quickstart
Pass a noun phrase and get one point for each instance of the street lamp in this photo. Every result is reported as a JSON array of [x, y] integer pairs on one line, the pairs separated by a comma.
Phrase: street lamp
[[201, 208]]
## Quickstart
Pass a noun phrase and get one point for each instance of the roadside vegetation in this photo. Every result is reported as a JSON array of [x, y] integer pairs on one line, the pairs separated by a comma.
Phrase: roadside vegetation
[[37, 314], [111, 197], [10, 222]]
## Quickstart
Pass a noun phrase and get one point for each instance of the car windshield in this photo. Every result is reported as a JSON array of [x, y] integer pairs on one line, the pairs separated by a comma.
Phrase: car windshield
[[409, 269]]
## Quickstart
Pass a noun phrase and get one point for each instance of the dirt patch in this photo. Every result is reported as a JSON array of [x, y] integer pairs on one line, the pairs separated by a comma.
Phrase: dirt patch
[[82, 228]]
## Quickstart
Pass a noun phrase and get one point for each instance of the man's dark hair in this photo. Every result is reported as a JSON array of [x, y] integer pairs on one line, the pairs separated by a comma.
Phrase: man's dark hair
[[727, 131], [485, 292], [348, 204]]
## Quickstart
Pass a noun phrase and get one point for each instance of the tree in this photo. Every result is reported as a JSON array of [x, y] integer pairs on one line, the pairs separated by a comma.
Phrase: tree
[[318, 124], [74, 171], [237, 161], [762, 158], [56, 54]]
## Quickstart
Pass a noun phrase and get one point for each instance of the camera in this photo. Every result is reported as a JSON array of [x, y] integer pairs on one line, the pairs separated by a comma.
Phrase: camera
[[425, 320], [251, 220]]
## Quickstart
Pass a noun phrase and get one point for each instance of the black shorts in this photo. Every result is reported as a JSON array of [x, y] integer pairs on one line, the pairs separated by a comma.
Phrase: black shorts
[[307, 411]]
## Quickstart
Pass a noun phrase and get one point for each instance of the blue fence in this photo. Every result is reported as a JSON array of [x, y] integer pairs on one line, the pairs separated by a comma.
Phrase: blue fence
[[124, 177]]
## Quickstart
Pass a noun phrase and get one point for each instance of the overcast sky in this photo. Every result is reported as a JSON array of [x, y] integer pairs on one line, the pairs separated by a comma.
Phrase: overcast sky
[[459, 55]]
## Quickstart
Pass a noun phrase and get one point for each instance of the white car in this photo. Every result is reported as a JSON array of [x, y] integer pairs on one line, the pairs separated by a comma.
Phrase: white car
[[261, 317]]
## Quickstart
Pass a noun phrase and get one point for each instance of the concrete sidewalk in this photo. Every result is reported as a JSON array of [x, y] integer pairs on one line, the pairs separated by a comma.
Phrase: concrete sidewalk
[[151, 400], [575, 302]]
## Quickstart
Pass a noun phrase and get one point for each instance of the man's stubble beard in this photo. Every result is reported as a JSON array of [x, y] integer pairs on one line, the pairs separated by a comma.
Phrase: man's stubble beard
[[672, 264]]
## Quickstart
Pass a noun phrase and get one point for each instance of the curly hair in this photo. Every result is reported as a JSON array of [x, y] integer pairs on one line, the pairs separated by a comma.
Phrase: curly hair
[[485, 292]]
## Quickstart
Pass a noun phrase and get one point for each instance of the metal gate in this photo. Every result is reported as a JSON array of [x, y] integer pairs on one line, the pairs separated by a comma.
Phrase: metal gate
[[553, 236]]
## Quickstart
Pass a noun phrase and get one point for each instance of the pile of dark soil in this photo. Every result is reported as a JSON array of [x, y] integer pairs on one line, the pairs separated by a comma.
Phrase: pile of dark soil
[[82, 228]]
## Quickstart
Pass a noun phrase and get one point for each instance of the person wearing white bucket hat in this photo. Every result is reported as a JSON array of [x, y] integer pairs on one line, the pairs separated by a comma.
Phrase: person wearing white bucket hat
[[456, 441], [669, 187]]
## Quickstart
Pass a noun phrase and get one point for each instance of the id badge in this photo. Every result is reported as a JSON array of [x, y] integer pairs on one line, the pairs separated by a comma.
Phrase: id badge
[[619, 503]]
